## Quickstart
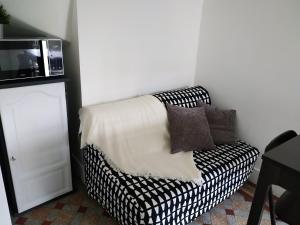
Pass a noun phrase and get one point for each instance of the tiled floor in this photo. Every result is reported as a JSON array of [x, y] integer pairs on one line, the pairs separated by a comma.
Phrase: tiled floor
[[78, 209]]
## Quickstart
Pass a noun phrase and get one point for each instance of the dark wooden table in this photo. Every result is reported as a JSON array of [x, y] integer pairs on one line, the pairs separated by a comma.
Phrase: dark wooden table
[[280, 166]]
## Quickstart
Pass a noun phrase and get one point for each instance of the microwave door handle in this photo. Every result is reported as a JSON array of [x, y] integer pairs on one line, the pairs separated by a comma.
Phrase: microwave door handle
[[44, 54]]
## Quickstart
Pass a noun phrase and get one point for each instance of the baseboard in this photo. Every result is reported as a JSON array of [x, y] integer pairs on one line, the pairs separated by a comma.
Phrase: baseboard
[[277, 191]]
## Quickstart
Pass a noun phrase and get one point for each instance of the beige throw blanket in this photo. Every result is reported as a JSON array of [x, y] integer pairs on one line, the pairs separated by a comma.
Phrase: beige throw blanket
[[134, 138]]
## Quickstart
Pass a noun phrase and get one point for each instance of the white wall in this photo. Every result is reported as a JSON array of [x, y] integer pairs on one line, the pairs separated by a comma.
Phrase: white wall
[[4, 212], [46, 16], [249, 59], [136, 46]]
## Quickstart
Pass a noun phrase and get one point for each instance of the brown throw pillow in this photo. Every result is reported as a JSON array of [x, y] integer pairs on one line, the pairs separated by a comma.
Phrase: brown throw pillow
[[189, 129], [221, 123]]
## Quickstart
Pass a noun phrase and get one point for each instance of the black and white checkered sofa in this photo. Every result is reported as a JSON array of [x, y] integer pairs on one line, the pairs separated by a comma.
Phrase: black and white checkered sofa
[[134, 200]]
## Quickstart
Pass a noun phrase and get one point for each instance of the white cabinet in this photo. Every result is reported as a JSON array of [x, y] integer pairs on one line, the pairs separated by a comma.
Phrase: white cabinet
[[34, 120]]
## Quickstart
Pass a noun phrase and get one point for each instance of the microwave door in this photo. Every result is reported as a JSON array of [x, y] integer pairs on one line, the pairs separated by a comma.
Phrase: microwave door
[[20, 59]]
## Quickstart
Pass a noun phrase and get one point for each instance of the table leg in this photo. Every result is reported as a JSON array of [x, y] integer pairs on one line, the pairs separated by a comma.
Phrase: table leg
[[264, 181]]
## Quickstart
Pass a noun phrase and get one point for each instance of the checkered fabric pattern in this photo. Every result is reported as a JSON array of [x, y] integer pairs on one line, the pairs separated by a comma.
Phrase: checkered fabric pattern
[[136, 200], [185, 97]]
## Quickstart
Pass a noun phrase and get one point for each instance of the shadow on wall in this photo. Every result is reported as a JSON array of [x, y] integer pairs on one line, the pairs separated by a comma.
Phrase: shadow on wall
[[20, 29]]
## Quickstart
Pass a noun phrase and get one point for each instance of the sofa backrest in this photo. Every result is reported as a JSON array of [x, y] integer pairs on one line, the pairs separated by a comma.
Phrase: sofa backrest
[[185, 97]]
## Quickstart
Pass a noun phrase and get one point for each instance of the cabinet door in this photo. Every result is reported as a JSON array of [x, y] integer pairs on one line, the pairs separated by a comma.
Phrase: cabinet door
[[34, 121]]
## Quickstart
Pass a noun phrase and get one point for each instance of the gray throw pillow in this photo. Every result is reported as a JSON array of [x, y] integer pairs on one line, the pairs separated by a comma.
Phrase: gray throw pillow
[[189, 129], [221, 123]]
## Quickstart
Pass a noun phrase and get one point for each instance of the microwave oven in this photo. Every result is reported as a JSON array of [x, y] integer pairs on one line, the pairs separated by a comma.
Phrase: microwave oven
[[30, 58]]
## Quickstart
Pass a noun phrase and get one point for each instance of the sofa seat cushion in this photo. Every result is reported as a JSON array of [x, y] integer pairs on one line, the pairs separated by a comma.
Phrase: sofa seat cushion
[[135, 200]]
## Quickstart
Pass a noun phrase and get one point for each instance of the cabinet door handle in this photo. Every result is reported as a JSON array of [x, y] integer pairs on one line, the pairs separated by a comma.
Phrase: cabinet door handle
[[13, 158]]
